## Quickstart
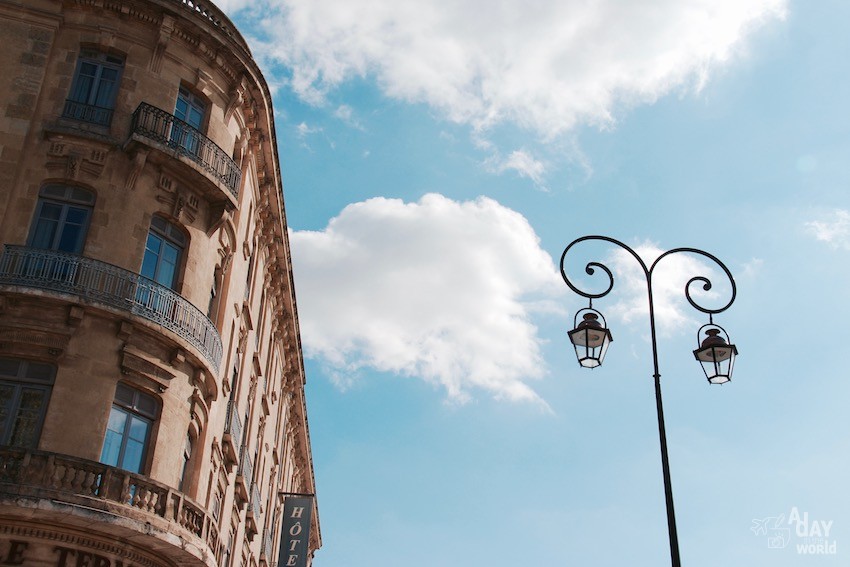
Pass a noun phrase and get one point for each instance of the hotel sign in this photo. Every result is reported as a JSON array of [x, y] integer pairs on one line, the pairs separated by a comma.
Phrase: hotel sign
[[295, 536]]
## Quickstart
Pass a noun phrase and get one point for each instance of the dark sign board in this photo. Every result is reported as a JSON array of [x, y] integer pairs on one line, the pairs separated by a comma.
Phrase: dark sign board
[[295, 537]]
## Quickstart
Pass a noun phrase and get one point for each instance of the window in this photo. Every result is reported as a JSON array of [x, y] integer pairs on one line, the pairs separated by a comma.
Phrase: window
[[163, 249], [190, 109], [94, 89], [61, 218], [187, 457], [128, 431], [217, 501], [24, 392], [215, 300], [250, 276]]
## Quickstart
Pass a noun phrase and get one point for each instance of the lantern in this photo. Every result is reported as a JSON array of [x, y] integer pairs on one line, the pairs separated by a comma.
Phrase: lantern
[[590, 338], [716, 355]]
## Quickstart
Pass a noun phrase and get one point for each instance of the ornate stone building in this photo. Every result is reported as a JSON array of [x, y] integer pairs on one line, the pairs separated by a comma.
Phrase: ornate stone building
[[151, 382]]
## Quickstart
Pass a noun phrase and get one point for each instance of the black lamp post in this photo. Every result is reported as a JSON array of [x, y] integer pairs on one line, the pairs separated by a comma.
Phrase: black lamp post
[[591, 339]]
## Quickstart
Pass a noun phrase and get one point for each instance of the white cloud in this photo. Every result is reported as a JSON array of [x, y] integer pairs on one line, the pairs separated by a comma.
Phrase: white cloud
[[438, 289], [834, 230], [304, 130], [520, 161], [346, 114], [752, 269], [545, 65]]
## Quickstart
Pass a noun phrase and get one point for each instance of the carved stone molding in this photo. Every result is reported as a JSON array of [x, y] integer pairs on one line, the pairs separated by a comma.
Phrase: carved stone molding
[[22, 340], [166, 28], [134, 361], [54, 537], [71, 159]]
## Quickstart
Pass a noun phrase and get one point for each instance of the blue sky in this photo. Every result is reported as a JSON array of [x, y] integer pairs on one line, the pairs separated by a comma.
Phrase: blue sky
[[438, 157]]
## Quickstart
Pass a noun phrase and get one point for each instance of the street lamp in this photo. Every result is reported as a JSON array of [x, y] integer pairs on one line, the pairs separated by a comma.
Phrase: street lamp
[[591, 339], [716, 355]]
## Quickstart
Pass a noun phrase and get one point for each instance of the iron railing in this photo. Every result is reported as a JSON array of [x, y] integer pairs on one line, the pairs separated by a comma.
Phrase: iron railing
[[233, 426], [87, 113], [26, 472], [158, 125], [246, 466], [254, 504], [266, 549], [112, 286]]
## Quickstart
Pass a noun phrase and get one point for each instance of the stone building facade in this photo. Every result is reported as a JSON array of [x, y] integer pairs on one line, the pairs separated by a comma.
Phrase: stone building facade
[[152, 406]]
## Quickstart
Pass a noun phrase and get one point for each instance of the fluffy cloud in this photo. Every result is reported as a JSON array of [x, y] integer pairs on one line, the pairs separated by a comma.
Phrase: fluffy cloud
[[437, 289], [545, 65], [834, 230], [520, 161]]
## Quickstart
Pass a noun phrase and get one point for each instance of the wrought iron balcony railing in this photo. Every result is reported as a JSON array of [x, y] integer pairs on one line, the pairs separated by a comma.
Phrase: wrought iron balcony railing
[[50, 475], [266, 549], [246, 466], [112, 286], [254, 505], [87, 113], [244, 476], [232, 432], [252, 515], [159, 126]]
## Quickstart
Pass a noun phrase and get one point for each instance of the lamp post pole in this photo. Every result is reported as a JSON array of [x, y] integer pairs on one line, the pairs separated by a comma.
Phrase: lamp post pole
[[716, 357]]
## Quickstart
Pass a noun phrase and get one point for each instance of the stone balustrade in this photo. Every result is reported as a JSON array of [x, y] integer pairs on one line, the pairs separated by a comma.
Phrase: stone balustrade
[[28, 472]]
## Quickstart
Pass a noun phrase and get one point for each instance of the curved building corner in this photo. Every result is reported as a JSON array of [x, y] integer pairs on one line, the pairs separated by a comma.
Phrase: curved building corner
[[152, 407]]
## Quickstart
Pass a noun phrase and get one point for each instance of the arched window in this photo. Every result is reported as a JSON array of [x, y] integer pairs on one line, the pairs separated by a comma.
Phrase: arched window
[[163, 252], [24, 392], [128, 431], [185, 470], [61, 218]]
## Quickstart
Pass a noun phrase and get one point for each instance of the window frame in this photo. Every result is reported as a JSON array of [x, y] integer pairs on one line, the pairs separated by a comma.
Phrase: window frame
[[85, 108], [71, 198], [170, 234], [19, 381], [189, 139], [132, 410]]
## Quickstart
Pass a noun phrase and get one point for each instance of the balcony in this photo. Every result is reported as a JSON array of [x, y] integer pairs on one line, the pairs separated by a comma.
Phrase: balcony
[[266, 395], [232, 438], [101, 283], [267, 557], [167, 133], [244, 475], [254, 513], [87, 113], [45, 479]]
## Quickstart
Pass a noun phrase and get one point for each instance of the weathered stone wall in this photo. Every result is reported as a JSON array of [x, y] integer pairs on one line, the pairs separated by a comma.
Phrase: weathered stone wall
[[239, 242]]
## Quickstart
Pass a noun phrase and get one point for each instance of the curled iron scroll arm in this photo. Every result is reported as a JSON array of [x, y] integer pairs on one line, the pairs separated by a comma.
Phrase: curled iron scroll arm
[[590, 268], [706, 283]]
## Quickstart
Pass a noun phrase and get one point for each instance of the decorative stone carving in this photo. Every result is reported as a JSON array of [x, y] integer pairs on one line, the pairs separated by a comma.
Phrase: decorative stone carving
[[134, 361], [237, 98], [139, 160], [166, 28]]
